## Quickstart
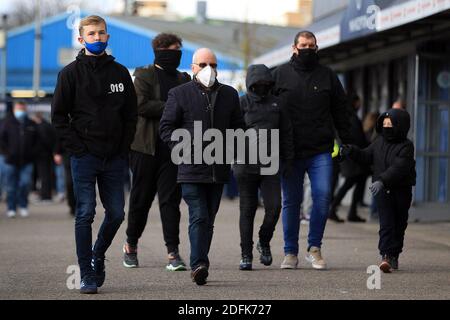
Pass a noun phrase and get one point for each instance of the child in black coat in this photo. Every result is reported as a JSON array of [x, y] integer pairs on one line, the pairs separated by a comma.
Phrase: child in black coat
[[392, 158]]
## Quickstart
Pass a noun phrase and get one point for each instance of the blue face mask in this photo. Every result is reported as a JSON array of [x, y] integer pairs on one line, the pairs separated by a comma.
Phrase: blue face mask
[[20, 114], [96, 47]]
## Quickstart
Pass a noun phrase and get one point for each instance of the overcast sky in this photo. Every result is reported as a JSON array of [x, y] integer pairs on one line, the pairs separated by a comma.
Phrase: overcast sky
[[262, 11]]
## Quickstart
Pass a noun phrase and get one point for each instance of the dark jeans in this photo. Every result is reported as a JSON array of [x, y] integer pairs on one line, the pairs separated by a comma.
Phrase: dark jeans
[[249, 184], [203, 201], [151, 175], [18, 183], [393, 207], [108, 173], [44, 166], [360, 182]]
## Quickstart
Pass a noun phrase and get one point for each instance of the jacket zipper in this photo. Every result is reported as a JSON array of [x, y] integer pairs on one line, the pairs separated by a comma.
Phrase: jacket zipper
[[211, 110]]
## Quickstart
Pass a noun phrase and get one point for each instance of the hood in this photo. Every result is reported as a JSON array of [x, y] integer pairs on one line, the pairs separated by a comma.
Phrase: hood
[[94, 61], [400, 121], [256, 73]]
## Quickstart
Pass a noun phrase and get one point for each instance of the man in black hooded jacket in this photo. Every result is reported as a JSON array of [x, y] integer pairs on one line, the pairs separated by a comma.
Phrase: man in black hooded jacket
[[94, 111], [394, 174]]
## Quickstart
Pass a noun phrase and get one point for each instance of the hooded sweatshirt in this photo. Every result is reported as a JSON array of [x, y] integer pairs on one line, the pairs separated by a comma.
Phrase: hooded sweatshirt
[[94, 108], [266, 112], [393, 160]]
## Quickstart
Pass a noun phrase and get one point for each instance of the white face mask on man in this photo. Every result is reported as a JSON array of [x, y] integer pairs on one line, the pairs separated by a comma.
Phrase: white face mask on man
[[207, 76]]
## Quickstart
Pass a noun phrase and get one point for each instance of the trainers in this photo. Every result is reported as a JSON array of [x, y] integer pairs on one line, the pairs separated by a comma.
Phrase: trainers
[[176, 263], [314, 256], [98, 264], [266, 256], [393, 261], [88, 284], [246, 263], [290, 262], [24, 212], [385, 264], [11, 213], [199, 275], [130, 259]]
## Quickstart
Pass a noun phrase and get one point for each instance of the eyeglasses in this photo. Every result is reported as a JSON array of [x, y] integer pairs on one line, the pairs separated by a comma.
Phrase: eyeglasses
[[204, 64]]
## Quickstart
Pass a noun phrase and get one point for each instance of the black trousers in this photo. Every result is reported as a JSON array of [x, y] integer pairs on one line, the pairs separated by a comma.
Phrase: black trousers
[[151, 175], [393, 207], [44, 166], [70, 195], [249, 185], [360, 182]]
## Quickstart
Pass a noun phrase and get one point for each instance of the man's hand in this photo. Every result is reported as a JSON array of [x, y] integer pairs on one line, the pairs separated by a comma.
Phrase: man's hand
[[346, 150], [376, 187], [58, 159]]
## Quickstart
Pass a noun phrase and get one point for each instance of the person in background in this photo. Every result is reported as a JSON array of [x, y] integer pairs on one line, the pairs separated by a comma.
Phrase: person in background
[[19, 141]]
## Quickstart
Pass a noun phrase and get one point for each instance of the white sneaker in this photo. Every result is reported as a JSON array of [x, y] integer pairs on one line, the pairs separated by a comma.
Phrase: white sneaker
[[24, 212], [11, 213], [314, 256], [290, 262]]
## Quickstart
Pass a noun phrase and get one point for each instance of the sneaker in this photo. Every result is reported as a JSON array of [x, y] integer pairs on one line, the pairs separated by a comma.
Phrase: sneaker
[[290, 262], [385, 264], [199, 275], [130, 259], [88, 284], [246, 263], [266, 256], [98, 264], [24, 212], [393, 261], [11, 213], [314, 256], [176, 263]]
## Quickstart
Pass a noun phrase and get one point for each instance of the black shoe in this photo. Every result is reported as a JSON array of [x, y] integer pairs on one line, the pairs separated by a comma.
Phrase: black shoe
[[266, 256], [88, 284], [356, 219], [385, 264], [130, 259], [246, 263], [199, 275], [333, 217], [98, 264], [394, 262]]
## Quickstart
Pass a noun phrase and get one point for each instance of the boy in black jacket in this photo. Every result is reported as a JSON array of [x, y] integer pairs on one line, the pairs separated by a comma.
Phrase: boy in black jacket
[[261, 110], [94, 111], [392, 157]]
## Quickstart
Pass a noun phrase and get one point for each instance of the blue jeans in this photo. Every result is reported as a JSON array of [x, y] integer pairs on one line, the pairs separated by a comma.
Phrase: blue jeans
[[108, 173], [60, 179], [18, 183], [203, 201], [320, 170]]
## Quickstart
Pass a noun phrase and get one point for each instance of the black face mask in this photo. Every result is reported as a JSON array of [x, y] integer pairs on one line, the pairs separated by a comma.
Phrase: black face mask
[[169, 60], [307, 58], [388, 133], [261, 90]]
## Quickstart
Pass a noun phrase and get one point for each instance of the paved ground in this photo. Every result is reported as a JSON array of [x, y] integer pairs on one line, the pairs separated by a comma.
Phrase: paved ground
[[36, 252]]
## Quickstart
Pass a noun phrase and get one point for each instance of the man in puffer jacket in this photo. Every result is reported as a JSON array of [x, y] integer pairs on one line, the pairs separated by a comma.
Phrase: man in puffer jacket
[[392, 156]]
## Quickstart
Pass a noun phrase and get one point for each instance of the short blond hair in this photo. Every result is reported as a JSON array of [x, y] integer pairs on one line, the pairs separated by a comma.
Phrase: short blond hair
[[90, 20]]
